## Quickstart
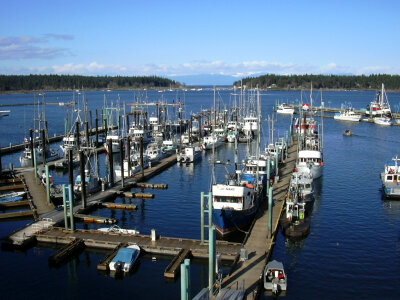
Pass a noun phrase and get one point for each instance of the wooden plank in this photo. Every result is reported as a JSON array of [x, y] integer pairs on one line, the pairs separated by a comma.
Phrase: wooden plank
[[14, 204], [119, 205], [65, 252], [17, 214], [105, 262], [12, 187], [173, 268]]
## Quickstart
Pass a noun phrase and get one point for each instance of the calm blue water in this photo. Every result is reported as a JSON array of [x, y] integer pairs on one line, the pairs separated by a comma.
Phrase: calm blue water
[[353, 250]]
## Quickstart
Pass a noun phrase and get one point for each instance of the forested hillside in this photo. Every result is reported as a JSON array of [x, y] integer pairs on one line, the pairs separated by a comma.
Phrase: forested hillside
[[392, 82], [65, 82]]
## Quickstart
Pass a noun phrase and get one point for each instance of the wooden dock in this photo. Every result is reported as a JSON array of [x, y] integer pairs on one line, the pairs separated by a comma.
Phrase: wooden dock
[[258, 245], [162, 245], [47, 211]]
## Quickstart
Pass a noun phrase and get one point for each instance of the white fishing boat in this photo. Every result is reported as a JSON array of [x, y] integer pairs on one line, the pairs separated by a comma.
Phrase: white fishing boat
[[119, 230], [125, 259], [114, 137], [312, 160], [231, 137], [285, 109], [211, 141], [275, 279], [169, 146], [383, 120], [188, 155], [154, 153], [391, 179], [348, 115], [302, 183]]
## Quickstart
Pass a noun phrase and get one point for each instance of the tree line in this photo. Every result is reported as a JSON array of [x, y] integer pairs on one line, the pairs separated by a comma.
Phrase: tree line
[[67, 82], [374, 81]]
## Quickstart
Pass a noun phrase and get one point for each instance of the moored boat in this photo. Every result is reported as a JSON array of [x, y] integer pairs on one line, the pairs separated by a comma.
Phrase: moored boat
[[348, 115], [285, 109], [391, 179], [125, 259], [274, 276]]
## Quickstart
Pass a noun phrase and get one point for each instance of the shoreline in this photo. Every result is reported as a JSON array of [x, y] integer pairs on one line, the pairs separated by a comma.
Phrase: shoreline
[[184, 88]]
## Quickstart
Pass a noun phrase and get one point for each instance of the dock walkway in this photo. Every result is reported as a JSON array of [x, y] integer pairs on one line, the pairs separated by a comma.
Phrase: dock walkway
[[259, 245], [162, 245]]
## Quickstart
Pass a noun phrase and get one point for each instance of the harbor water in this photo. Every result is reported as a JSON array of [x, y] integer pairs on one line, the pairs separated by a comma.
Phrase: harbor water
[[352, 251]]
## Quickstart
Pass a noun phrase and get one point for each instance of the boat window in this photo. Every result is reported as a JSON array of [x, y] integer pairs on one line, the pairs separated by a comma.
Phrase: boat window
[[390, 177], [394, 177], [228, 199]]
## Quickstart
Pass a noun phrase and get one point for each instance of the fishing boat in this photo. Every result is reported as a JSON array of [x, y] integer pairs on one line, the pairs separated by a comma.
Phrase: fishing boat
[[92, 179], [231, 137], [302, 182], [285, 109], [234, 205], [383, 120], [136, 166], [275, 279], [92, 183], [125, 259], [295, 221], [114, 137], [391, 179], [211, 141], [311, 159], [119, 230], [380, 105], [154, 153], [188, 155], [348, 115]]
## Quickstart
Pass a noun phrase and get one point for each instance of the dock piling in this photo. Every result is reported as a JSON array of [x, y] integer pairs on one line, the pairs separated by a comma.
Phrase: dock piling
[[270, 201], [64, 189], [71, 207], [211, 258], [121, 159], [111, 163], [83, 179], [47, 183]]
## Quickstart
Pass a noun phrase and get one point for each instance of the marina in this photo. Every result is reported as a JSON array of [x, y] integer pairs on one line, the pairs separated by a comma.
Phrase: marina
[[162, 235]]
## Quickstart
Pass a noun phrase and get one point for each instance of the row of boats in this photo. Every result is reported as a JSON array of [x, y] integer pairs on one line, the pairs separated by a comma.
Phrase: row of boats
[[379, 111]]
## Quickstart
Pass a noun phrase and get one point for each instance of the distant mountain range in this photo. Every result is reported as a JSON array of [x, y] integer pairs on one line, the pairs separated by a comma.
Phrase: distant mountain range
[[205, 79]]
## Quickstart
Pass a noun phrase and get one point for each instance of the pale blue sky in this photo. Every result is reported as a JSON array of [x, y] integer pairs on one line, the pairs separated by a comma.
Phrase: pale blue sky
[[236, 38]]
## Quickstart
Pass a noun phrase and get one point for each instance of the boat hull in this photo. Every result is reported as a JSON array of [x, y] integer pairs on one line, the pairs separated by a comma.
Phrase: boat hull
[[228, 221]]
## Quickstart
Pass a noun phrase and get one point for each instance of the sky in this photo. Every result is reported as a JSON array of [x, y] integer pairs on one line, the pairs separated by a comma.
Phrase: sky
[[199, 39]]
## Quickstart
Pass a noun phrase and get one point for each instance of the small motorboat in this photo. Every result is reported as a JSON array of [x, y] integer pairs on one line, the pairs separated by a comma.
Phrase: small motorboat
[[275, 279], [348, 132], [125, 259], [117, 229]]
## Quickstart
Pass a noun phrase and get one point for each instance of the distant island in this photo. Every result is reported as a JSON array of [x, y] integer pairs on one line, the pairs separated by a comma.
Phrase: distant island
[[14, 83], [336, 82]]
